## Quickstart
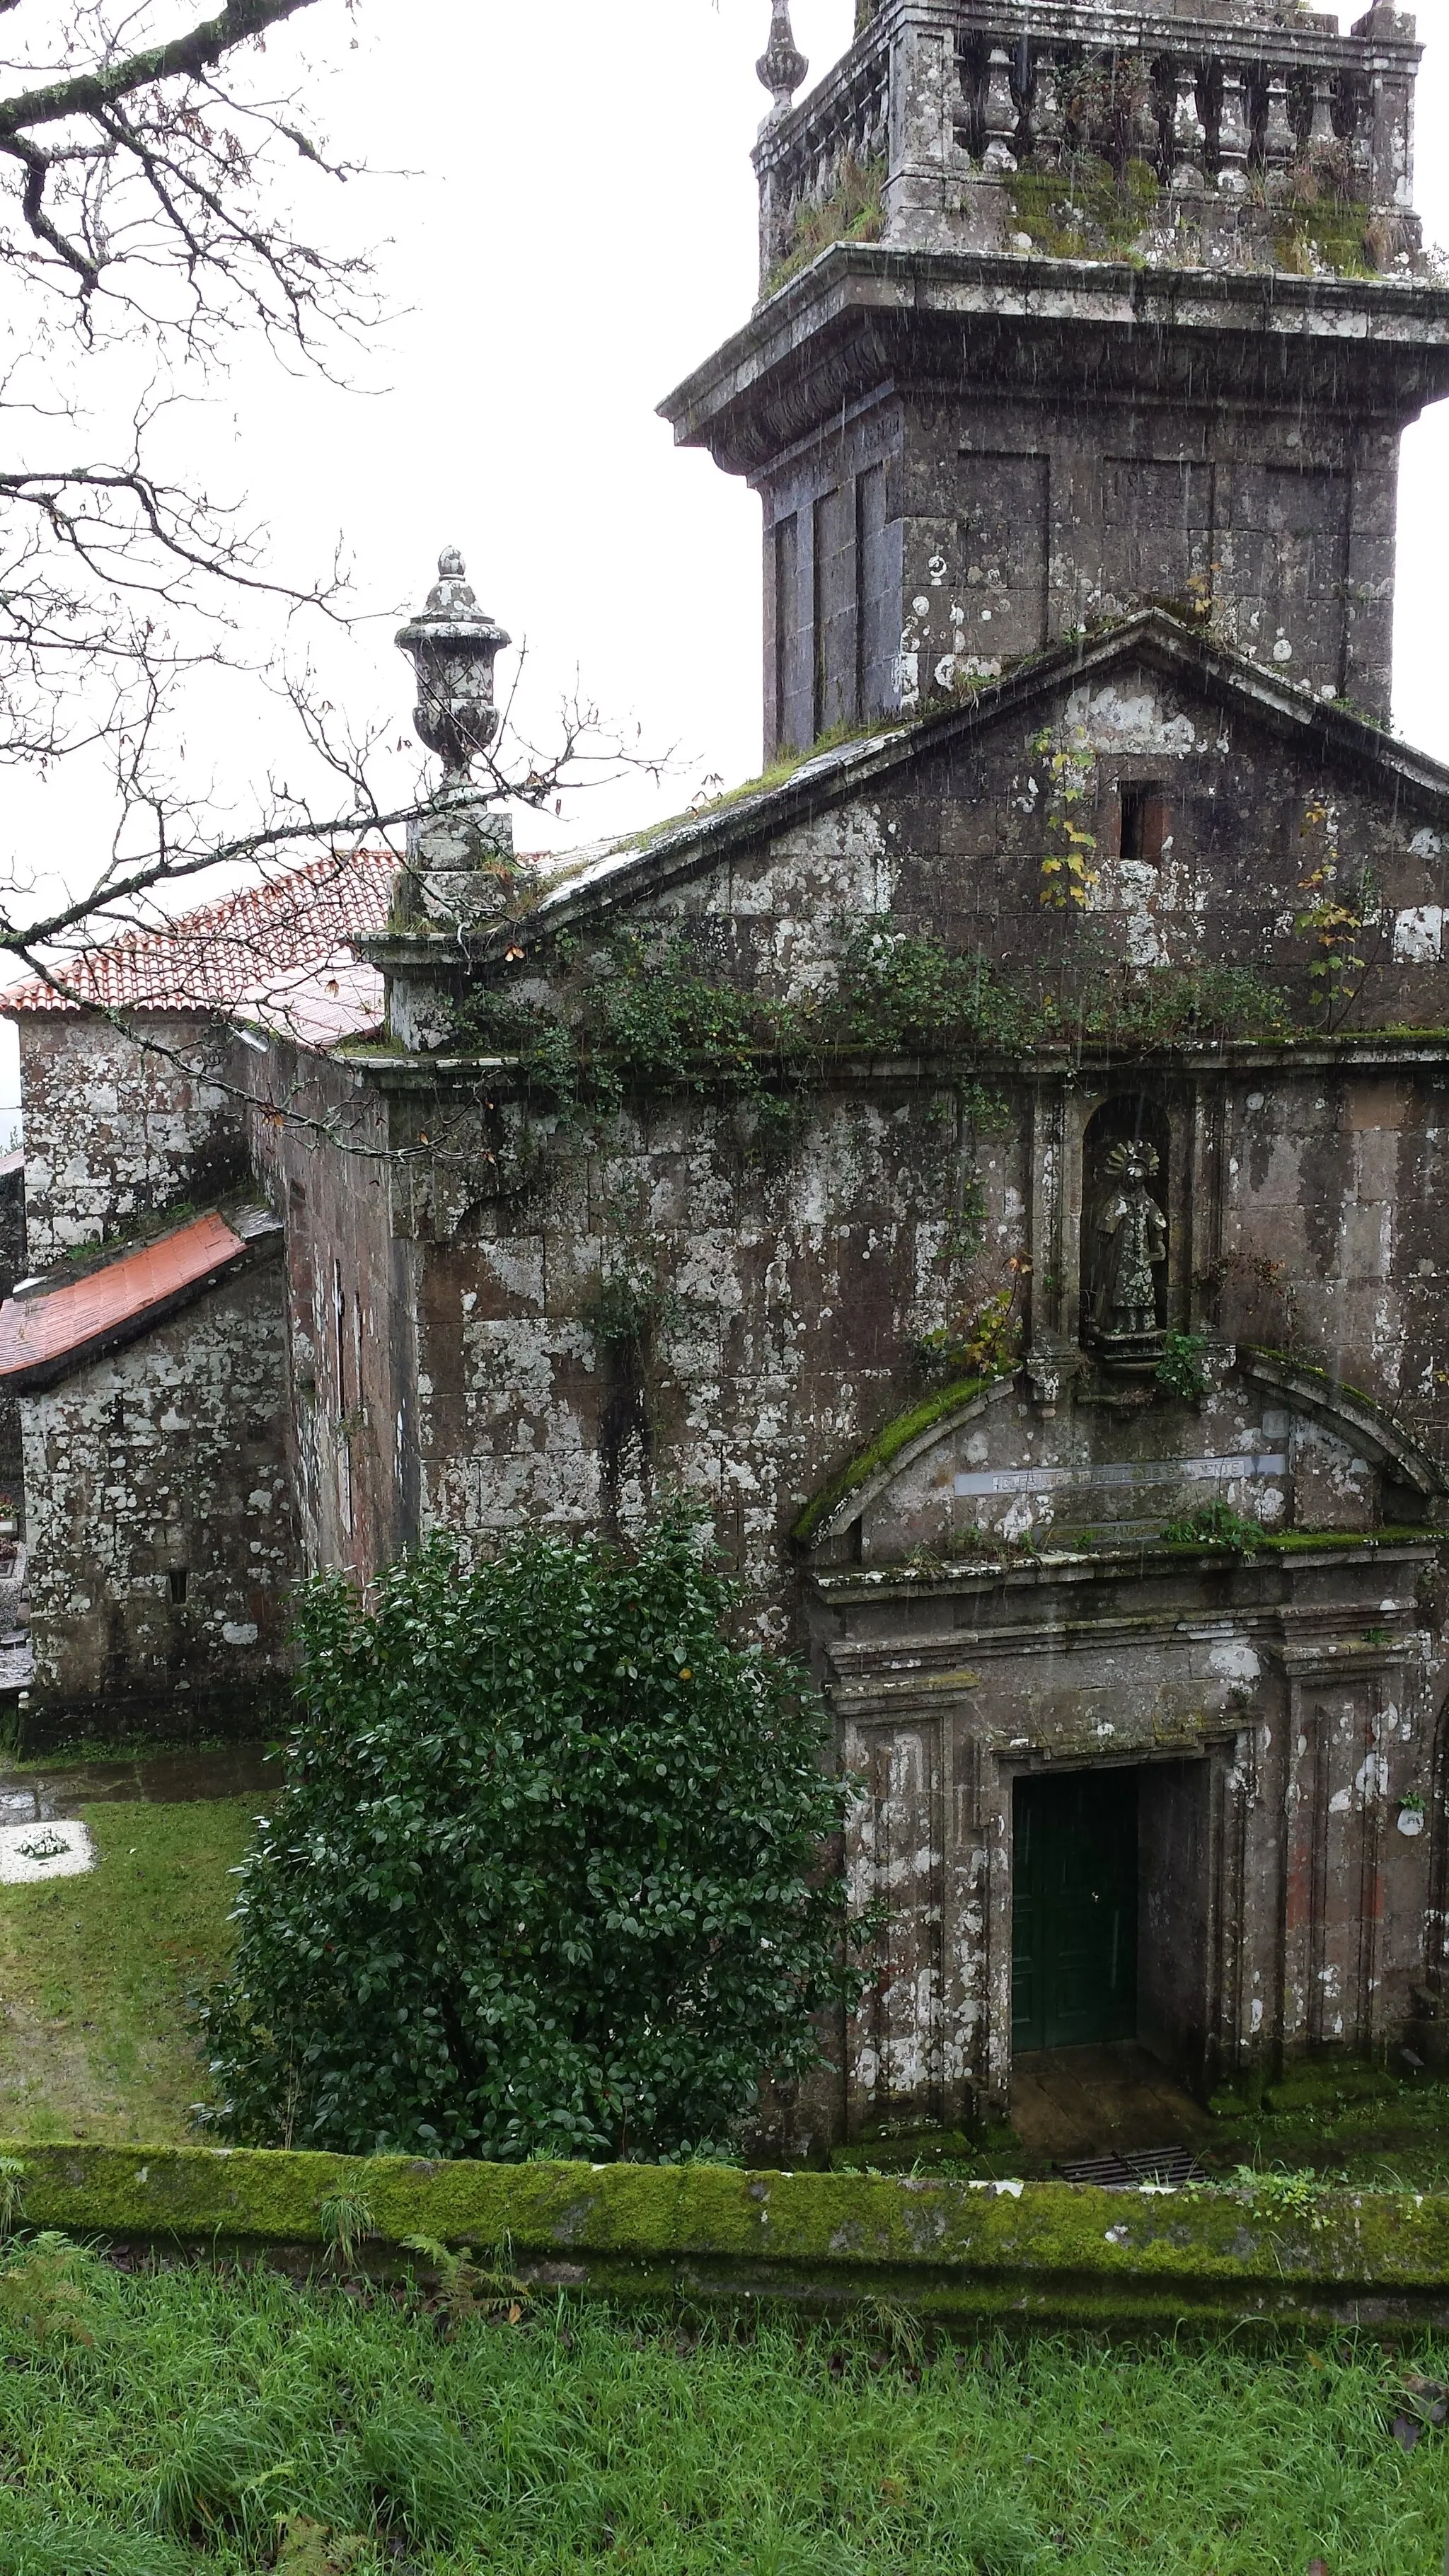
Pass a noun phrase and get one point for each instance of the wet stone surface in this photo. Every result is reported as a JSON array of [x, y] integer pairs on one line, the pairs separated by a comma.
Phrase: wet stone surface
[[162, 1780]]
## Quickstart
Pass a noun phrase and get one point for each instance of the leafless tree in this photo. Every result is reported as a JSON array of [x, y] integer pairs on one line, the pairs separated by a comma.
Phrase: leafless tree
[[160, 192]]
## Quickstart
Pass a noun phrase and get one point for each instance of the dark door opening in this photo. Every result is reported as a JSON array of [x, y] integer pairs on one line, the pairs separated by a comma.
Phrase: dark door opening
[[1074, 1910]]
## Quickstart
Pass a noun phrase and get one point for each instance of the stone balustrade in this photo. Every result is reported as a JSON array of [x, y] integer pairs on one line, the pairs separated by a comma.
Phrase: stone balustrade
[[1246, 107]]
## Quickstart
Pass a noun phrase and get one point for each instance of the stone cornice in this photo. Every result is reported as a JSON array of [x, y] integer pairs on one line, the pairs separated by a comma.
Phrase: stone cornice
[[864, 316]]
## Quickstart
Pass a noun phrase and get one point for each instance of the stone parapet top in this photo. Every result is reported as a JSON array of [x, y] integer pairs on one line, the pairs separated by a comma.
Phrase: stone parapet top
[[1240, 111], [1306, 38]]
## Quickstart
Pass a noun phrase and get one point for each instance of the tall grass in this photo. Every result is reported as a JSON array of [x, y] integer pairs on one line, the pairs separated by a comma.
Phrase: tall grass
[[210, 2407]]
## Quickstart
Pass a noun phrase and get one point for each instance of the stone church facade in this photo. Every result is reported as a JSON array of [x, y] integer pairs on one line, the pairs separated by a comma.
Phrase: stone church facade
[[1055, 1342]]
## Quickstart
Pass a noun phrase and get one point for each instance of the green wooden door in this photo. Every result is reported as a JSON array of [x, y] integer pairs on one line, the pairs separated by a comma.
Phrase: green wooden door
[[1074, 1910]]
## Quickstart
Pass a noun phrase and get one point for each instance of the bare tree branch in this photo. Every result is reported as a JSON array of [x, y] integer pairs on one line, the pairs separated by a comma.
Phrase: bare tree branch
[[153, 192], [185, 57]]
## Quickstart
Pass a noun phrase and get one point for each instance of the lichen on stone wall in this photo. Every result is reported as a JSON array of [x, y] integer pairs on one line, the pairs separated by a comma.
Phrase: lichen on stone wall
[[162, 1538]]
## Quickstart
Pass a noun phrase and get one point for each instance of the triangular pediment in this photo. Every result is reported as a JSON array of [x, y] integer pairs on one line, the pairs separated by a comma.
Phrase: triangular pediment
[[885, 767]]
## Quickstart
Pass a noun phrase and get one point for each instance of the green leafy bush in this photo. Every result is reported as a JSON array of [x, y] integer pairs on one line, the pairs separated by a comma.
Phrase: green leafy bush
[[546, 1877]]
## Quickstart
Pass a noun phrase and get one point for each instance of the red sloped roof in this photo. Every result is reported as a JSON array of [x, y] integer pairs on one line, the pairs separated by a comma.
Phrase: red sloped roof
[[57, 1324], [235, 950]]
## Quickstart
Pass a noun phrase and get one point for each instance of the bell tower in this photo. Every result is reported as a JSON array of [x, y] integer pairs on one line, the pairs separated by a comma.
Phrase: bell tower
[[1066, 308]]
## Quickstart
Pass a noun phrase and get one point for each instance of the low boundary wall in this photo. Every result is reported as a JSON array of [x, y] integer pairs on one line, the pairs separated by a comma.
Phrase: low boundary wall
[[968, 2255]]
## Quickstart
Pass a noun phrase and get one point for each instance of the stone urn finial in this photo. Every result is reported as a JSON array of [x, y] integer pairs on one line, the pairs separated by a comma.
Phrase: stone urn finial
[[782, 67], [453, 645], [460, 863]]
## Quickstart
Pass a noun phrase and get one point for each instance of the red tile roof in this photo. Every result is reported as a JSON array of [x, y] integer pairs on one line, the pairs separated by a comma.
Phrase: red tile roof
[[50, 1326], [245, 947]]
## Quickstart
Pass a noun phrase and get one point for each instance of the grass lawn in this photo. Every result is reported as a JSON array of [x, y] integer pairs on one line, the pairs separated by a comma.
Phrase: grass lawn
[[204, 2408], [95, 1972]]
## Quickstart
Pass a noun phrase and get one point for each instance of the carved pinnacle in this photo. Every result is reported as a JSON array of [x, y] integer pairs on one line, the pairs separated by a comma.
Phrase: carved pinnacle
[[782, 67]]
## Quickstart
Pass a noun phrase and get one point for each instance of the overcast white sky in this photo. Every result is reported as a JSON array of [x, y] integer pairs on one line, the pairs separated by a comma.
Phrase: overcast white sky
[[575, 229]]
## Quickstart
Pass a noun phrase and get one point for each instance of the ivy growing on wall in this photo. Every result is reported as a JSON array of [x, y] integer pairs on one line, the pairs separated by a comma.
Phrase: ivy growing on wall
[[983, 1343], [644, 1012], [1070, 762], [1339, 904]]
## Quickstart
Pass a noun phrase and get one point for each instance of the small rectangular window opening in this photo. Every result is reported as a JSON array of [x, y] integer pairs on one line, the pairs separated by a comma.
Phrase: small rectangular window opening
[[1144, 823], [178, 1579]]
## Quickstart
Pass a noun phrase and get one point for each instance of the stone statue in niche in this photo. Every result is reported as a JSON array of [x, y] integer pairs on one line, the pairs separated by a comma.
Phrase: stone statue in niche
[[1131, 1240]]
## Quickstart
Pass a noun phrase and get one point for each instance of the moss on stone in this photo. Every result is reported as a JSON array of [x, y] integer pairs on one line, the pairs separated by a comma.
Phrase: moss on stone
[[1083, 210], [1047, 2252], [1331, 234], [1298, 1542], [886, 1445], [778, 775], [853, 211]]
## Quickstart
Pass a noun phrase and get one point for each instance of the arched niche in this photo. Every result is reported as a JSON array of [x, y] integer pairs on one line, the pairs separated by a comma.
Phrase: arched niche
[[1123, 1254]]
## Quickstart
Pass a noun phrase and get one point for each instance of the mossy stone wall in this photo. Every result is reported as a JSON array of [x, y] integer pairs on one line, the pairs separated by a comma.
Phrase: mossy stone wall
[[967, 2255]]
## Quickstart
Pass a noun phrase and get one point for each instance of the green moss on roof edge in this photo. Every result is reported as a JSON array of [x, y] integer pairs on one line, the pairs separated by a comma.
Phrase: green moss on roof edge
[[1034, 2253], [888, 1444]]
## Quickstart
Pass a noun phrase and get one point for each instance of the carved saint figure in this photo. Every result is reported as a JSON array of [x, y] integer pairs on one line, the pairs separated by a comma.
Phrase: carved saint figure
[[1131, 1240]]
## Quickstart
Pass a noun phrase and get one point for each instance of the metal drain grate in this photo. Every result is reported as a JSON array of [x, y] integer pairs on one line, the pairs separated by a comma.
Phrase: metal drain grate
[[1135, 2166]]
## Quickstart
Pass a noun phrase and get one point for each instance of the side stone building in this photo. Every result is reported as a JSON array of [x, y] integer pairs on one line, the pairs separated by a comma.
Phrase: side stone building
[[997, 1165], [146, 1357]]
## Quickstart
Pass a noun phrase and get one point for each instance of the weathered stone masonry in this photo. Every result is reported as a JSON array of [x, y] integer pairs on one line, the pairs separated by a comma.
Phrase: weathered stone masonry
[[161, 1535], [1176, 1538], [1302, 1191], [115, 1131]]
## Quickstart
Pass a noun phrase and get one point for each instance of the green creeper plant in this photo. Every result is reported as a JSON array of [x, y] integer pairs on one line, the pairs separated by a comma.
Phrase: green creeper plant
[[548, 1875], [1180, 1368], [984, 1343], [1333, 918], [1067, 873]]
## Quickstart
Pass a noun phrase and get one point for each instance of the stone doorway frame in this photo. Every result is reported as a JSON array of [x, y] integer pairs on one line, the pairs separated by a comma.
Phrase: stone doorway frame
[[1213, 1757]]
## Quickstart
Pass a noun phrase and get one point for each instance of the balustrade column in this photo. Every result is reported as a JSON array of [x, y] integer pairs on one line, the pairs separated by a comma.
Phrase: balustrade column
[[1047, 121], [1360, 149], [1280, 142], [1146, 131], [1233, 138], [1000, 119], [1189, 135]]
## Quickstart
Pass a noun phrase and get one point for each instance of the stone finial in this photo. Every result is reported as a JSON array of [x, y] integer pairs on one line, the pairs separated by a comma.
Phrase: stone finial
[[782, 67], [453, 645]]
